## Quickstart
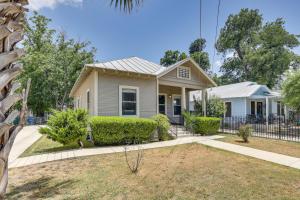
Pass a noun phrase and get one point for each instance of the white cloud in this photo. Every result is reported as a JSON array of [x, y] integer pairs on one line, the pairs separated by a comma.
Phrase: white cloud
[[39, 4]]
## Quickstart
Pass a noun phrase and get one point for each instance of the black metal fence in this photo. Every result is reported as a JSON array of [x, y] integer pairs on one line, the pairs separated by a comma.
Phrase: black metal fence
[[271, 127]]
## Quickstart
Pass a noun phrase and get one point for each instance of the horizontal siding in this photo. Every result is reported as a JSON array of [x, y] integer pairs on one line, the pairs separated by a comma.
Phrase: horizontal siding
[[197, 80], [108, 92], [81, 93]]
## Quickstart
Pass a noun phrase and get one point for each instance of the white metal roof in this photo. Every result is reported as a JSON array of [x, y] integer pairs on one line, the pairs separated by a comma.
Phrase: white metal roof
[[243, 89], [132, 64]]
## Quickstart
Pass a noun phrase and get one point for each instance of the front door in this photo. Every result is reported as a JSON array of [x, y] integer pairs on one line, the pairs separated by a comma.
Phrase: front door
[[162, 99], [259, 109]]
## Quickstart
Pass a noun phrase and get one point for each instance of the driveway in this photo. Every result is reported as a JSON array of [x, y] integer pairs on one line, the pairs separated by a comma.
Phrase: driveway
[[27, 136]]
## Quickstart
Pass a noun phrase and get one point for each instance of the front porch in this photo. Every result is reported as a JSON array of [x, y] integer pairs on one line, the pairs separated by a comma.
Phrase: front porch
[[174, 100]]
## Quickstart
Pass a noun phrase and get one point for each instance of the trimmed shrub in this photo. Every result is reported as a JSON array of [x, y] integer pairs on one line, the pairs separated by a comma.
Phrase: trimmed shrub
[[163, 126], [120, 130], [206, 125], [245, 132], [66, 127]]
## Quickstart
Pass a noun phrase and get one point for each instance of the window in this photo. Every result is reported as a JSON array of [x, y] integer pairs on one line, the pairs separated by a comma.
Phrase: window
[[184, 72], [162, 99], [252, 107], [128, 101], [176, 105], [228, 109], [88, 100]]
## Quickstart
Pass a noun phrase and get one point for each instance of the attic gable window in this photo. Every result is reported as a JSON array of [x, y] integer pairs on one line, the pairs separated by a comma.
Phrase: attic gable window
[[184, 72]]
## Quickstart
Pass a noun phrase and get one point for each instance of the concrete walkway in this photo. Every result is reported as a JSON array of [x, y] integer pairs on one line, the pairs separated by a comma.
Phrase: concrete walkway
[[27, 136], [208, 140]]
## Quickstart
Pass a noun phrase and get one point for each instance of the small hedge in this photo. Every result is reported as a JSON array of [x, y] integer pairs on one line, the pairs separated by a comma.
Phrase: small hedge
[[121, 130], [206, 125]]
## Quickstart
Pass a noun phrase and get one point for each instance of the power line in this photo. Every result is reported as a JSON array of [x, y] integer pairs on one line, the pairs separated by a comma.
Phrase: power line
[[200, 18], [216, 34]]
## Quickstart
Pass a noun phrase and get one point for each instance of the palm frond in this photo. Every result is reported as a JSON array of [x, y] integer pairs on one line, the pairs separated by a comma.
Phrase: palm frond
[[126, 5]]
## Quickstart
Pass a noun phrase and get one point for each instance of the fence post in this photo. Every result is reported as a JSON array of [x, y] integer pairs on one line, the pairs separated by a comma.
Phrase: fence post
[[279, 127]]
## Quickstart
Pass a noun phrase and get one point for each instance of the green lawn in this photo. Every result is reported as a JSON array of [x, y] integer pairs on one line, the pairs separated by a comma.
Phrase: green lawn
[[45, 145], [276, 146], [191, 171]]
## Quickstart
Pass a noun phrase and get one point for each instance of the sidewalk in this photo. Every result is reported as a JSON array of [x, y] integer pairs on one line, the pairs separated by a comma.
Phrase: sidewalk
[[27, 136], [208, 141]]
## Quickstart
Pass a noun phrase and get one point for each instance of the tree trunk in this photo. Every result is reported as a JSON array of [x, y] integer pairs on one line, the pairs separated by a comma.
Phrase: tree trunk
[[11, 32]]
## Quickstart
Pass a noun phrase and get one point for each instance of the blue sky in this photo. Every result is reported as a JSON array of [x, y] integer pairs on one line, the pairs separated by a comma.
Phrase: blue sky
[[157, 26]]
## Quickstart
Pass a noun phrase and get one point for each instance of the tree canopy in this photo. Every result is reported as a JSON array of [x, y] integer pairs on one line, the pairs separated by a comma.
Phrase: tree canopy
[[53, 63], [254, 51], [195, 51], [171, 57], [291, 90]]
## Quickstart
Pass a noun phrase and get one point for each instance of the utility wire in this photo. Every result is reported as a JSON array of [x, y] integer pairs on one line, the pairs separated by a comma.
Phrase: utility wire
[[200, 19], [216, 34]]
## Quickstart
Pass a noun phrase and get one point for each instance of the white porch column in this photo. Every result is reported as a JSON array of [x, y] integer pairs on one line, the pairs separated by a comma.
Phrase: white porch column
[[204, 102], [183, 99], [267, 111]]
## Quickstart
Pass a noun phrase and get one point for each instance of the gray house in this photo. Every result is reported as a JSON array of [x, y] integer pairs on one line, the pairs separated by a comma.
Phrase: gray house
[[246, 98], [137, 87]]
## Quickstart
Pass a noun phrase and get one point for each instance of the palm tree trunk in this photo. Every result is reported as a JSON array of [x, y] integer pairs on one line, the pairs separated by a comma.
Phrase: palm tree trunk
[[11, 32]]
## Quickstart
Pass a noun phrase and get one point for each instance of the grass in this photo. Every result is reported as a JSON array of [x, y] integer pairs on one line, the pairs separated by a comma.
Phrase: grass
[[191, 171], [46, 145], [276, 146]]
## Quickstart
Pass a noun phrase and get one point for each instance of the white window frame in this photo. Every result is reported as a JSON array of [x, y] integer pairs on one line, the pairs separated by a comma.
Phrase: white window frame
[[166, 102], [173, 110], [121, 87], [183, 67]]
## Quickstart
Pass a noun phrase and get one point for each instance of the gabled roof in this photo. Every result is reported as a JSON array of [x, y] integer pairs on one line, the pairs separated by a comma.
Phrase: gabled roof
[[243, 89], [135, 65]]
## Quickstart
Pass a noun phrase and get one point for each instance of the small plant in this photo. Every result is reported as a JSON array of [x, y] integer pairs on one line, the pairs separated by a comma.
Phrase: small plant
[[163, 126], [66, 127], [245, 132], [188, 120], [135, 158]]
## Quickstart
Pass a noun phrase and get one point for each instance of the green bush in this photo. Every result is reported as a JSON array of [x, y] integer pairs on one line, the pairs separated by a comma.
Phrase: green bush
[[163, 126], [206, 125], [245, 132], [188, 120], [120, 130], [66, 127]]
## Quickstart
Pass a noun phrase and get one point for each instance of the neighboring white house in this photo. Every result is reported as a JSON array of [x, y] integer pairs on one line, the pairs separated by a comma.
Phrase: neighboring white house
[[246, 98]]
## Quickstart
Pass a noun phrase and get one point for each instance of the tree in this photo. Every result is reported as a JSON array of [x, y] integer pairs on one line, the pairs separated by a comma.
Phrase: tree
[[214, 107], [197, 46], [259, 52], [39, 47], [196, 52], [11, 32], [171, 57], [53, 62], [291, 90], [201, 59]]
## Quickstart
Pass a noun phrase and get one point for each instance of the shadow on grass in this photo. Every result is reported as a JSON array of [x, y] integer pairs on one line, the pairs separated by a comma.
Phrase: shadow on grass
[[44, 187]]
